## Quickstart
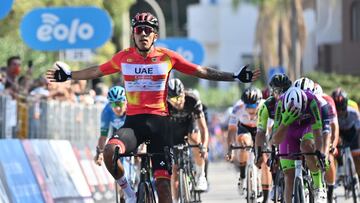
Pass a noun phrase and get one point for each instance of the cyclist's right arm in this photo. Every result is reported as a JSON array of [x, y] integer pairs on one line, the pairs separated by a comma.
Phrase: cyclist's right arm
[[109, 67], [279, 129], [87, 73], [263, 117]]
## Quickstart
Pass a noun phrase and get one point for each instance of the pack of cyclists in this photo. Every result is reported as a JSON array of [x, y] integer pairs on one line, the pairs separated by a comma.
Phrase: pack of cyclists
[[296, 117]]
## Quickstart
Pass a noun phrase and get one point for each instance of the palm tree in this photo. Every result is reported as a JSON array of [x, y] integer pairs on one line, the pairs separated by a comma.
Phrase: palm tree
[[280, 33]]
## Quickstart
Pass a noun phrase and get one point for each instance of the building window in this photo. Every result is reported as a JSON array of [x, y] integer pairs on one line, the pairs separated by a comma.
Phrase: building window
[[355, 21]]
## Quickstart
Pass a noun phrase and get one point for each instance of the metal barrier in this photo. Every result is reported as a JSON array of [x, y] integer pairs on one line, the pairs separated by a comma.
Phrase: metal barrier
[[8, 117], [78, 123]]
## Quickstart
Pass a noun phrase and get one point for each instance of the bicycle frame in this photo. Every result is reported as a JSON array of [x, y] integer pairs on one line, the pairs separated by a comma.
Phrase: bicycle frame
[[186, 177], [304, 193], [252, 174], [351, 180], [145, 192]]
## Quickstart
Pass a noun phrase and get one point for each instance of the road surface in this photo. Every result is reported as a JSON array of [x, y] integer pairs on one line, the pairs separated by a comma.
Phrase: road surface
[[223, 185]]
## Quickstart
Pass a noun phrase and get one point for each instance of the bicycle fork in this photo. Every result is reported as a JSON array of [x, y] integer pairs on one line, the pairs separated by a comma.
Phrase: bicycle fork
[[298, 176]]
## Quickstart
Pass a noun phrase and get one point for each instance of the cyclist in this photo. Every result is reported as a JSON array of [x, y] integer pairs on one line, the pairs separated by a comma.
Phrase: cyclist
[[279, 83], [186, 113], [242, 128], [145, 70], [112, 118], [307, 84], [297, 124], [349, 124], [331, 137]]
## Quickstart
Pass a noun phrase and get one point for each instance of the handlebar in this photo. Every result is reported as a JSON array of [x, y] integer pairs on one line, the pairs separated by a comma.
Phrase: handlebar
[[275, 155]]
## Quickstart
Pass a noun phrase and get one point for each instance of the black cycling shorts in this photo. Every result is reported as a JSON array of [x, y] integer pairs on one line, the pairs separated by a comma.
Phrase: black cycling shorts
[[147, 127], [243, 129]]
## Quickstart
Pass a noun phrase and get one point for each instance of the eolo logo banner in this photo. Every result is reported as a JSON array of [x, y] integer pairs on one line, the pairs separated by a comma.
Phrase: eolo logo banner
[[59, 28]]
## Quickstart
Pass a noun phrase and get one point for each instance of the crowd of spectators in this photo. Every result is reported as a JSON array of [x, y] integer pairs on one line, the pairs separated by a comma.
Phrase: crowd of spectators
[[17, 83]]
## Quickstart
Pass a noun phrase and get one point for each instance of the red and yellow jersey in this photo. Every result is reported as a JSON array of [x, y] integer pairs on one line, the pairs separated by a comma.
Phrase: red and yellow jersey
[[145, 78]]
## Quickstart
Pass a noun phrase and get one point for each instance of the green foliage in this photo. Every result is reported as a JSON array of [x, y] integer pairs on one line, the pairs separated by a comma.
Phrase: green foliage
[[331, 81], [219, 98], [11, 43]]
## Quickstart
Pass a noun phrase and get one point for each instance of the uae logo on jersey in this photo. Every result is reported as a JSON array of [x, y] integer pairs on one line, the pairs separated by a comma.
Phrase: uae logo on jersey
[[129, 60], [153, 59]]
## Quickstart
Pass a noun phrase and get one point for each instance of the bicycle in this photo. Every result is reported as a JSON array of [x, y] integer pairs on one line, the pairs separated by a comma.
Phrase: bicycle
[[253, 189], [278, 180], [186, 177], [302, 189], [350, 179], [145, 191], [131, 169]]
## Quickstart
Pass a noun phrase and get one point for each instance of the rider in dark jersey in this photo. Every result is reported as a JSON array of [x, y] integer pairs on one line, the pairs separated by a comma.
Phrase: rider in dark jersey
[[186, 116], [349, 124]]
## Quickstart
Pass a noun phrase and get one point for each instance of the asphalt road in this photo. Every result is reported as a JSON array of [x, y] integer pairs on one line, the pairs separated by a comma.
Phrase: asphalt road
[[223, 185]]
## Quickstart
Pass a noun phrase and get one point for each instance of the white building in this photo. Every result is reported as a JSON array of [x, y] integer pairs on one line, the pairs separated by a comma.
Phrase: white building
[[227, 34]]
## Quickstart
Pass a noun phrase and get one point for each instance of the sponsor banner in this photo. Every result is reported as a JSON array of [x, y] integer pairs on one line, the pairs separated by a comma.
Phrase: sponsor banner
[[190, 49], [38, 170], [106, 181], [90, 170], [59, 28], [66, 157], [5, 8], [58, 181], [3, 194], [17, 173]]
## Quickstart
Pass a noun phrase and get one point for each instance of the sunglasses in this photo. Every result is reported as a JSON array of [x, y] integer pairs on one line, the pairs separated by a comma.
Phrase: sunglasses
[[139, 29], [176, 98], [117, 104], [276, 91]]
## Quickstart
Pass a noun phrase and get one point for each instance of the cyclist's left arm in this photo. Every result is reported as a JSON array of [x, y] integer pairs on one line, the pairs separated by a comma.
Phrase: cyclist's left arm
[[184, 66]]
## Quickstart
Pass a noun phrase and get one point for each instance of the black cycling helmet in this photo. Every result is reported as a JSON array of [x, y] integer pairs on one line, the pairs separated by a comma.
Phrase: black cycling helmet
[[281, 81], [251, 95], [145, 18], [175, 87], [340, 98]]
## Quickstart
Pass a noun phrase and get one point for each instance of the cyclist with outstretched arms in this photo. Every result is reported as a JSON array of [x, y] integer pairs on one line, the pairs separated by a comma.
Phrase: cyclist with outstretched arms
[[145, 70], [279, 83], [349, 124], [297, 128], [242, 129], [186, 113]]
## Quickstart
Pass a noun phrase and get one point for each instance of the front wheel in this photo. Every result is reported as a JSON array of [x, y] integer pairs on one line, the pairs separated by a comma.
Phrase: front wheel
[[251, 185], [184, 194], [298, 193], [279, 185], [353, 183], [145, 193]]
